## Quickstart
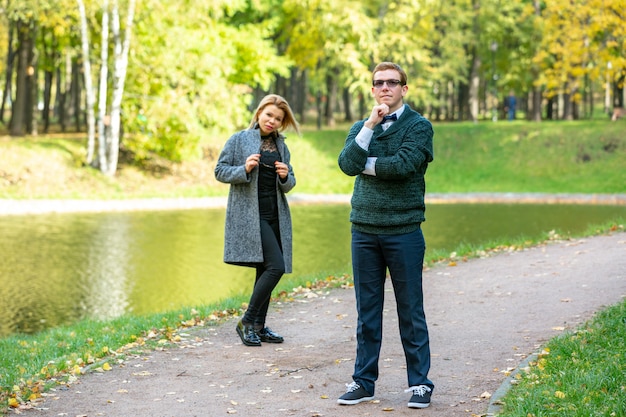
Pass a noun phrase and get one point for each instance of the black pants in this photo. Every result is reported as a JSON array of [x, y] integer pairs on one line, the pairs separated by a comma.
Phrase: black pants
[[269, 273]]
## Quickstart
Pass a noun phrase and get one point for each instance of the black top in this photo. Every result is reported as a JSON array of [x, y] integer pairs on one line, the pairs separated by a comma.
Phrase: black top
[[267, 170]]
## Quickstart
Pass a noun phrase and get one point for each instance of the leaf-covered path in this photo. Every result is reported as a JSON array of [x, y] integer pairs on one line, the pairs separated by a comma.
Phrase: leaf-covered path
[[485, 316]]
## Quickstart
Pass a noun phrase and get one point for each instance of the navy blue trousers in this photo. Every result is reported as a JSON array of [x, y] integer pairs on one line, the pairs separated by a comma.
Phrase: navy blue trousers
[[403, 255]]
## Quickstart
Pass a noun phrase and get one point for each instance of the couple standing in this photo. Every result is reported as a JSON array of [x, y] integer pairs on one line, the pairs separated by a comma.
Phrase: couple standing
[[388, 153]]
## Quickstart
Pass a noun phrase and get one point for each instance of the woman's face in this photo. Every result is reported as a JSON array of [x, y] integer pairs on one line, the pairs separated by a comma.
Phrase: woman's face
[[270, 119]]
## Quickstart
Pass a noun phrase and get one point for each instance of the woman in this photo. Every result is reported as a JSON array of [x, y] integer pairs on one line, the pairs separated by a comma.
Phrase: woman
[[255, 162]]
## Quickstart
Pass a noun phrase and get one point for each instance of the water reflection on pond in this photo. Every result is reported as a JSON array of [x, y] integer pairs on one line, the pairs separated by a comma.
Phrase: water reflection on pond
[[58, 268]]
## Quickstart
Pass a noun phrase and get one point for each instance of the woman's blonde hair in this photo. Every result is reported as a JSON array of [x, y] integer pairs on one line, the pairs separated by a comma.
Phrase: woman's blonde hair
[[288, 121]]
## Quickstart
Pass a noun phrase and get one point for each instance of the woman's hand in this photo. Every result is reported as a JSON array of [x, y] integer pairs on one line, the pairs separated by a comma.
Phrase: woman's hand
[[282, 169], [252, 162]]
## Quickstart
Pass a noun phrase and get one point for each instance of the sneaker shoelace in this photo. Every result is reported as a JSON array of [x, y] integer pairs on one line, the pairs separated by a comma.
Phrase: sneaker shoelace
[[419, 390], [351, 387]]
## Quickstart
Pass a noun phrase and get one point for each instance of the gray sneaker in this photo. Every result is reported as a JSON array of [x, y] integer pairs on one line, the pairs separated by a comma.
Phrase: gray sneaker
[[421, 396], [354, 395]]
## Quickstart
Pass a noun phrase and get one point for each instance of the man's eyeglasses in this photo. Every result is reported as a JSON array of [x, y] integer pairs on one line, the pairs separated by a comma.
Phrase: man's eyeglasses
[[390, 83]]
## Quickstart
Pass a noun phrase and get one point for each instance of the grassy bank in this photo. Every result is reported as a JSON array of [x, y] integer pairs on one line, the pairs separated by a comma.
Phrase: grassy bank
[[577, 374], [548, 157]]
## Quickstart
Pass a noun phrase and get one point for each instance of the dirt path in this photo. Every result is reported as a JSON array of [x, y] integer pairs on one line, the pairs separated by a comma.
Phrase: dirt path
[[485, 316]]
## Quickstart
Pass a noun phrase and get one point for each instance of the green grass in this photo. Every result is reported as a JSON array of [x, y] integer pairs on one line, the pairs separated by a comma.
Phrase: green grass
[[548, 157], [578, 374]]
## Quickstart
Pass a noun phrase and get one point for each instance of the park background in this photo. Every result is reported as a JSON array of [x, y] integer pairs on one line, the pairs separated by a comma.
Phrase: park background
[[156, 79], [146, 115]]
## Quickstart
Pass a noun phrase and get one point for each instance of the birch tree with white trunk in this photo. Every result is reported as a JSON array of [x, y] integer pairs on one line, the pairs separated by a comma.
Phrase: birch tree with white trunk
[[90, 92], [109, 125], [121, 48], [103, 88]]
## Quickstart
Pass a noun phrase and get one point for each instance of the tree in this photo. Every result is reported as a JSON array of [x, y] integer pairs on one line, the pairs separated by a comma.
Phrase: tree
[[202, 65], [121, 49], [581, 41], [25, 25], [108, 124], [193, 79], [91, 130]]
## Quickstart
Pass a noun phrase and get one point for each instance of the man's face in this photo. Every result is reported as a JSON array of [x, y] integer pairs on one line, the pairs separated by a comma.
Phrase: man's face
[[390, 95]]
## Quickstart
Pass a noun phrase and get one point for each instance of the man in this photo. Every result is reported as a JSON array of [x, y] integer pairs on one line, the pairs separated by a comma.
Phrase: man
[[389, 153], [511, 105]]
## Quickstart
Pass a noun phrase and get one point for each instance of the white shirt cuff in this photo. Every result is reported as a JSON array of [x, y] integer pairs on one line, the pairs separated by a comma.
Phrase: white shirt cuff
[[364, 137], [370, 166]]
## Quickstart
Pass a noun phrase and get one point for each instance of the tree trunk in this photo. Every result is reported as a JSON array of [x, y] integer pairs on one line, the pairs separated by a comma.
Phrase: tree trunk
[[8, 73], [302, 96], [537, 94], [550, 108], [292, 96], [319, 107], [462, 101], [451, 106], [331, 88], [119, 78], [362, 106], [18, 110], [91, 99], [63, 92], [32, 87], [76, 94], [438, 110], [537, 98], [47, 98], [474, 88], [280, 87], [103, 123], [618, 92], [567, 106], [347, 104]]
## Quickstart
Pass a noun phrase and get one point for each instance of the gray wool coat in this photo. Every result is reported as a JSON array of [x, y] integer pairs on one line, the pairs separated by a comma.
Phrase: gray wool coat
[[242, 237]]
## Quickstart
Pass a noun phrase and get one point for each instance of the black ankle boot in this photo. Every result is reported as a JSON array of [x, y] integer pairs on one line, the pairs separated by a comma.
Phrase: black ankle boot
[[248, 335], [268, 335]]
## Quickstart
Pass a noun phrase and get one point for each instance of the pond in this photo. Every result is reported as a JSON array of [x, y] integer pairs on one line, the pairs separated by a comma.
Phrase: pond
[[56, 269]]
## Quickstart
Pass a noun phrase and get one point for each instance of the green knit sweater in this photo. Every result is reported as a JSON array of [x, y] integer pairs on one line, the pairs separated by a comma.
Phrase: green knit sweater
[[392, 202]]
